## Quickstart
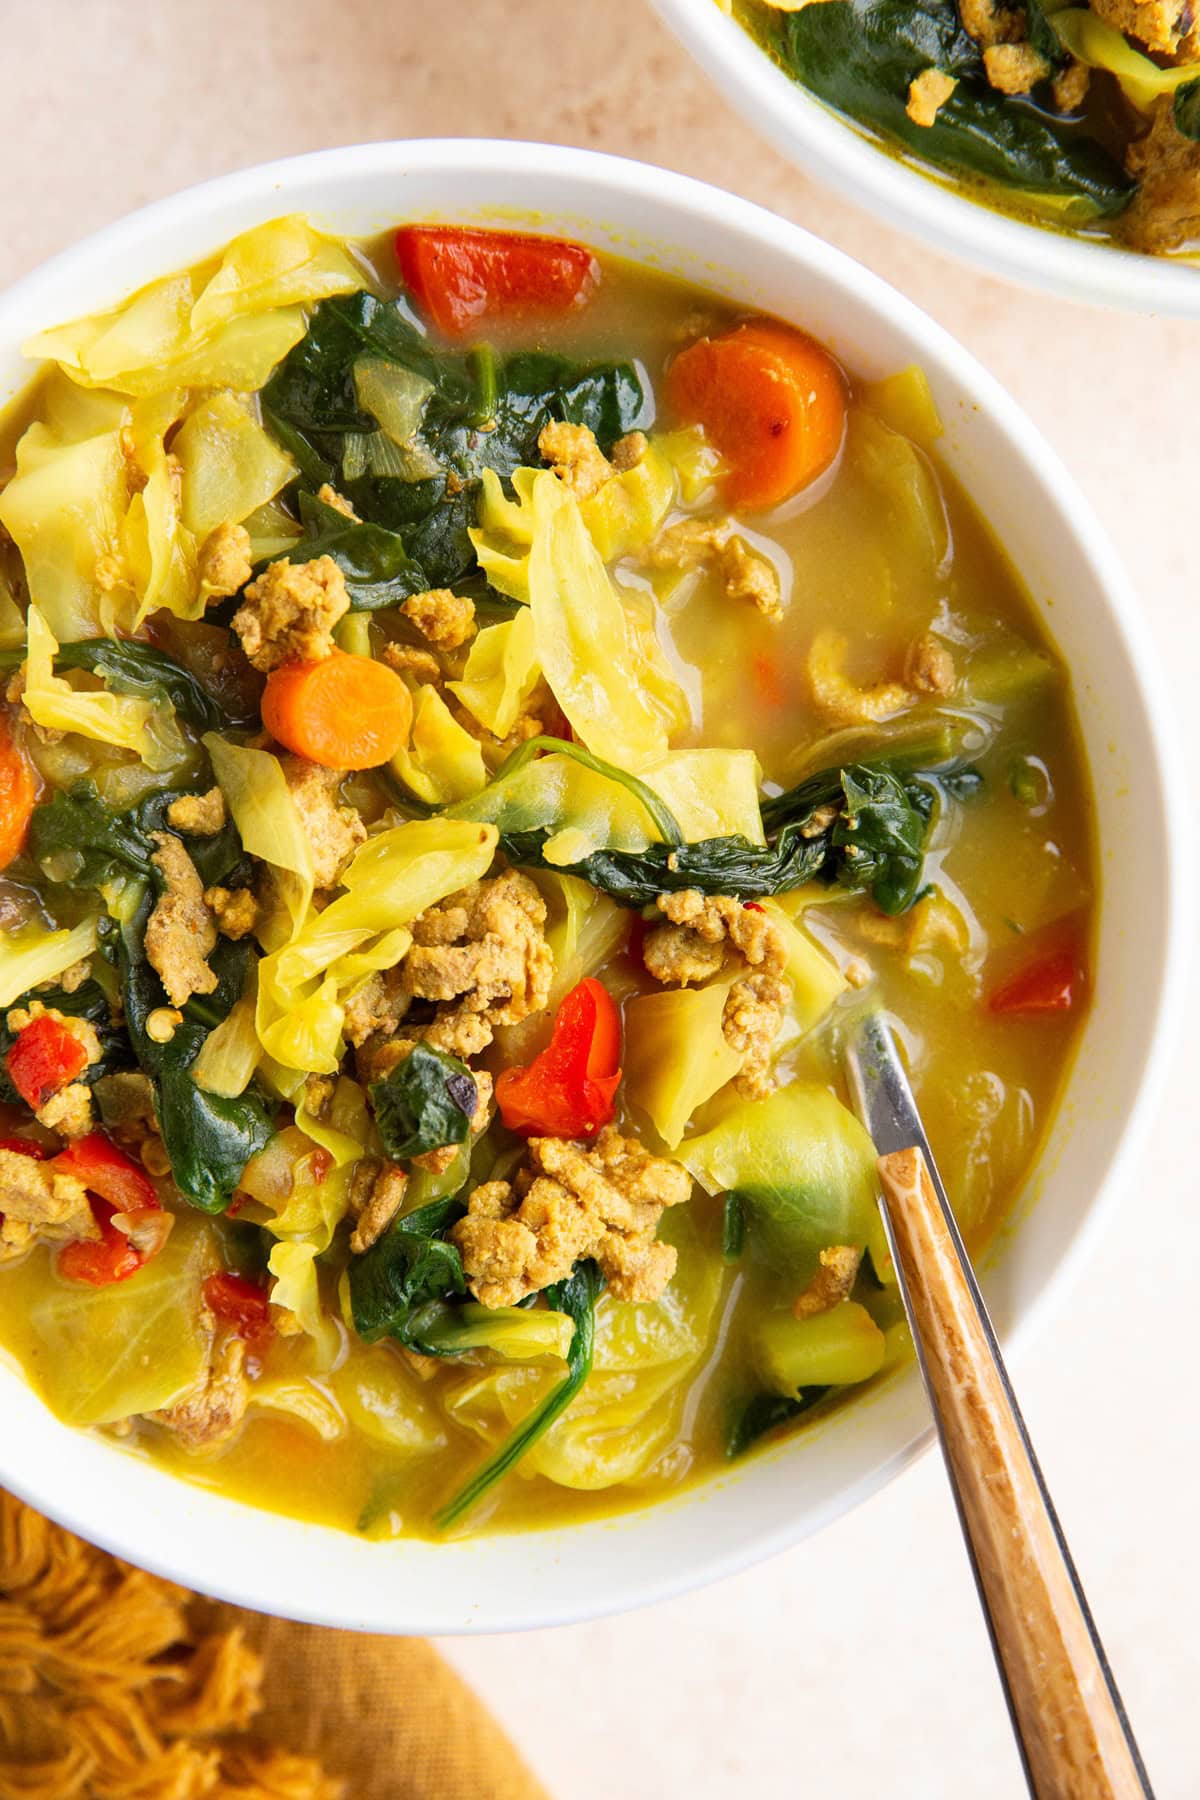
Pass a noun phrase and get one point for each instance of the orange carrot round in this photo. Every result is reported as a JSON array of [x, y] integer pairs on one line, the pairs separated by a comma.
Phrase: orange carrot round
[[18, 795], [770, 400], [344, 712]]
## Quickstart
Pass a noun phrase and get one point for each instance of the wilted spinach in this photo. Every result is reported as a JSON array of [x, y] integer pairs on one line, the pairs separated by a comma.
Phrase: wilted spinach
[[403, 1271], [132, 667], [79, 838], [577, 1298], [862, 826], [483, 411], [208, 1138], [860, 57], [425, 1103], [764, 1413]]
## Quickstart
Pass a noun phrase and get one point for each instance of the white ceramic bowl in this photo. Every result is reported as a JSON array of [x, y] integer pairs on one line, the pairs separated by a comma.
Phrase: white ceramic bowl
[[835, 150], [278, 1565]]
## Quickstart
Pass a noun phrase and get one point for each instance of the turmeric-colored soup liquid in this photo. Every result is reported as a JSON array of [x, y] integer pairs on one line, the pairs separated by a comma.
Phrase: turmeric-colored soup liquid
[[525, 711]]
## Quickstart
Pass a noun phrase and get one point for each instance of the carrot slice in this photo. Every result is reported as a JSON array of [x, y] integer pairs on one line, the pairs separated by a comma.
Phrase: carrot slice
[[344, 712], [18, 795], [770, 400], [463, 277]]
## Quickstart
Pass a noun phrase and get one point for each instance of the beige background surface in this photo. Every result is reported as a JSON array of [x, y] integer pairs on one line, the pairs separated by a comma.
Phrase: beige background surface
[[856, 1665]]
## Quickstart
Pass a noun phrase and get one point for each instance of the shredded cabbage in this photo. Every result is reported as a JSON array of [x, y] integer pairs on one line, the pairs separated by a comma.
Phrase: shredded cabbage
[[803, 1164], [109, 1353], [117, 719], [303, 1400], [537, 548], [260, 804], [624, 514], [384, 1400], [64, 509], [443, 762], [501, 672], [305, 981], [293, 1264], [281, 263], [676, 1056], [32, 956], [1102, 46], [230, 466]]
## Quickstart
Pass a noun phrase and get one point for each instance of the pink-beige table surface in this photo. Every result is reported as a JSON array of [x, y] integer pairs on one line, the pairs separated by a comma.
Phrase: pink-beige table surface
[[856, 1665]]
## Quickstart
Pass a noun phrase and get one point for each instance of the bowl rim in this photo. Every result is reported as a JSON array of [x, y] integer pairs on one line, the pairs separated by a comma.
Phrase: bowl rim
[[604, 181], [834, 150]]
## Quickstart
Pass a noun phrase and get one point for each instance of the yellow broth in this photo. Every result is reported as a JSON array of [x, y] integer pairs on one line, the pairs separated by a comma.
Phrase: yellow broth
[[882, 549]]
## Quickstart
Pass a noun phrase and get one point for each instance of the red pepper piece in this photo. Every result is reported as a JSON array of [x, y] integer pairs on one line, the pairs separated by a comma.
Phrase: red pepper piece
[[463, 277], [108, 1172], [568, 1090], [1050, 982], [239, 1303], [44, 1058], [26, 1147], [99, 1264]]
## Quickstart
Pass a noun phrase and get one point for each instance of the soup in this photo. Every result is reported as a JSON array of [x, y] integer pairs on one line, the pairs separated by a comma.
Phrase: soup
[[482, 722], [1082, 117]]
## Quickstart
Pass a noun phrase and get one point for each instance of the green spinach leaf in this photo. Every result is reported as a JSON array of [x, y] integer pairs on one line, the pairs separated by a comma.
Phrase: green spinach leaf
[[861, 826], [859, 56], [77, 837], [764, 1413], [1186, 111], [409, 1266], [377, 567], [208, 1138], [577, 1298], [426, 1102], [483, 412], [130, 666]]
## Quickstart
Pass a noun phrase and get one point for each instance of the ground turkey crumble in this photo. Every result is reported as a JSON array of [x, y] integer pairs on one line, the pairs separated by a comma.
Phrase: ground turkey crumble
[[213, 1411], [199, 815], [479, 957], [181, 932], [1164, 214], [701, 936], [223, 565], [289, 613], [745, 575], [446, 619], [569, 1200], [334, 831]]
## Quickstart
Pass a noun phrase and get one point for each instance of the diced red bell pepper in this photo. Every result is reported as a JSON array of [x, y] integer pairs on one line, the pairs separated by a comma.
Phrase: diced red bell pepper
[[239, 1303], [18, 794], [44, 1058], [568, 1090], [26, 1147], [104, 1170], [1050, 982], [100, 1262], [462, 277]]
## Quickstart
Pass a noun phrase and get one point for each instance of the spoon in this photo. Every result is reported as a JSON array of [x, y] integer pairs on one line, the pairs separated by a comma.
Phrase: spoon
[[1071, 1729]]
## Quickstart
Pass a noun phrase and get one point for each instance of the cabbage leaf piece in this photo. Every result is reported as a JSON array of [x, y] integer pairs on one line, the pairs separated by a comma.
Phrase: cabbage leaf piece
[[224, 324], [584, 642], [117, 719], [28, 958], [309, 973], [443, 762], [804, 1167], [64, 509], [630, 1409], [1099, 45], [676, 1056], [229, 465], [107, 1353]]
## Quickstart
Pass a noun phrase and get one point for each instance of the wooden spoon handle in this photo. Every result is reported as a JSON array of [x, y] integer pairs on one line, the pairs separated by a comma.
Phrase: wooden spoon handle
[[1068, 1716]]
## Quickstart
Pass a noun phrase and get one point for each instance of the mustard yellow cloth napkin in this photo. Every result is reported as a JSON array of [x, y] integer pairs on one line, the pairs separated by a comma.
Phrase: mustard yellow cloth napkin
[[115, 1685]]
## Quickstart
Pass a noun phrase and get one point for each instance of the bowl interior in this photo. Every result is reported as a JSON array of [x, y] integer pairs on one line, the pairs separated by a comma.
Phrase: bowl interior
[[836, 151], [279, 1565]]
